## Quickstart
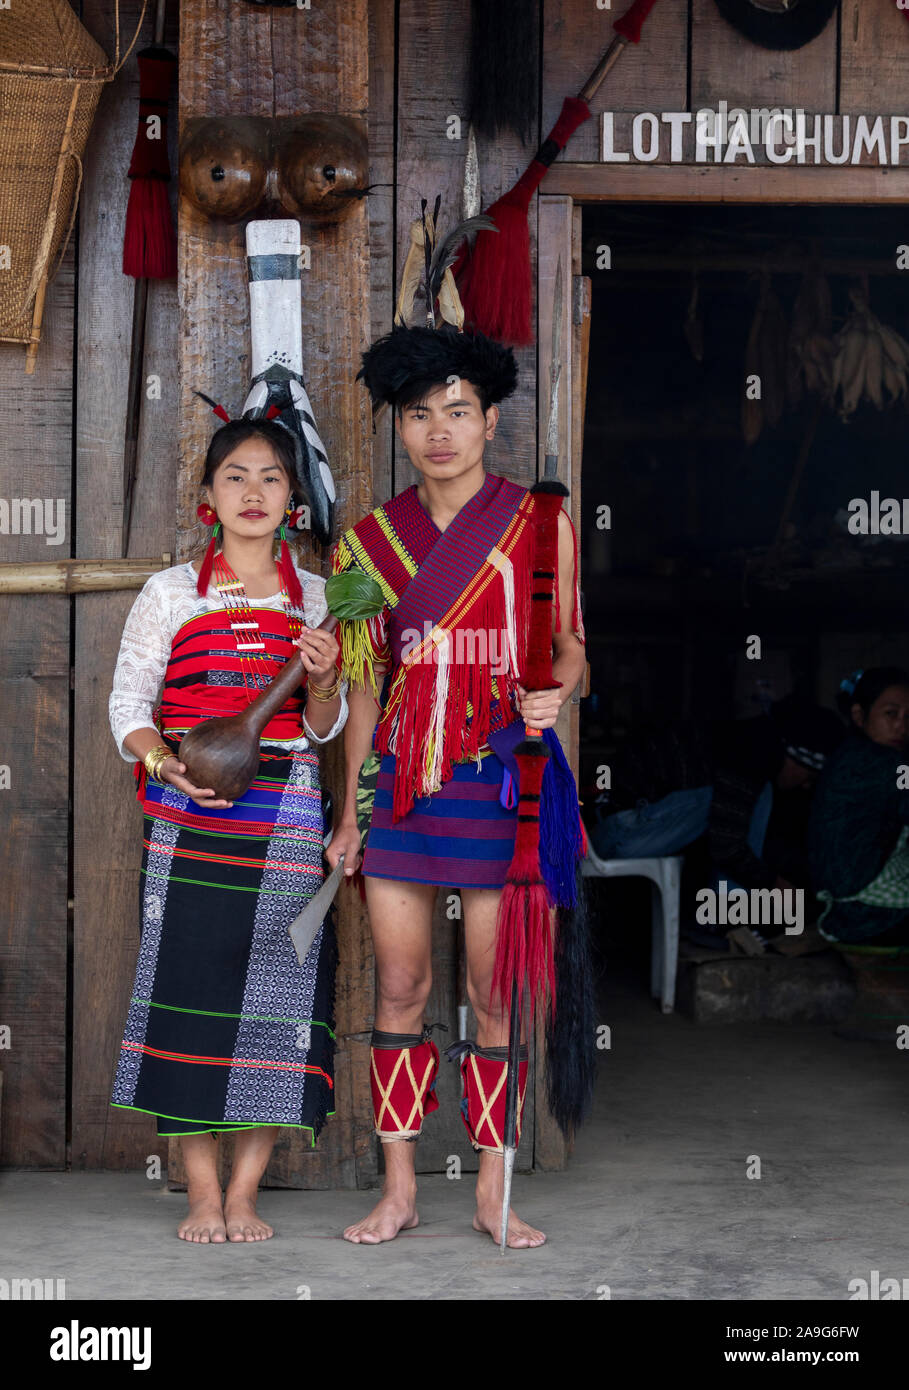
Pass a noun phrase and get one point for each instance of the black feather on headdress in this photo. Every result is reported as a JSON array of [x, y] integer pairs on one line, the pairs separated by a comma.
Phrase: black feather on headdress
[[773, 24], [407, 363]]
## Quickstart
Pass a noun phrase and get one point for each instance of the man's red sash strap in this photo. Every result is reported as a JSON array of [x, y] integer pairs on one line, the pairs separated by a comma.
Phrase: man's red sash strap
[[402, 1071], [205, 678], [455, 629]]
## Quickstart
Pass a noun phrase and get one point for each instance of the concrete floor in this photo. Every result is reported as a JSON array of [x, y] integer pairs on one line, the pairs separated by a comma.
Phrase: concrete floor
[[655, 1203]]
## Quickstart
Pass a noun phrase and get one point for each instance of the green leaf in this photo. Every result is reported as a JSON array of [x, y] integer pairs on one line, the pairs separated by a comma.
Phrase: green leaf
[[353, 594]]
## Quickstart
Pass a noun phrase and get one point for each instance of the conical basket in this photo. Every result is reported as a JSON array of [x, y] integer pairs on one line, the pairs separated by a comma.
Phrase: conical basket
[[51, 75]]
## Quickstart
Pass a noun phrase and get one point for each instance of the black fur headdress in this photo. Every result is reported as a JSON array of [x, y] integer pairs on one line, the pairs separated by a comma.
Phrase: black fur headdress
[[409, 362]]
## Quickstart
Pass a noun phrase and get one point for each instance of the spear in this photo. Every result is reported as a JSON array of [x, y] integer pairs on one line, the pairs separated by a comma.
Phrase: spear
[[525, 904], [494, 280]]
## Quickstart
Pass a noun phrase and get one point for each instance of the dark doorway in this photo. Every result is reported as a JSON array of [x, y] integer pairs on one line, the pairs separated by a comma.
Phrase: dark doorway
[[712, 539]]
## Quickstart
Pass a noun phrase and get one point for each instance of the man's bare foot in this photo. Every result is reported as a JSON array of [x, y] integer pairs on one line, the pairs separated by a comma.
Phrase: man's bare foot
[[204, 1222], [242, 1221], [520, 1236], [395, 1212], [490, 1192]]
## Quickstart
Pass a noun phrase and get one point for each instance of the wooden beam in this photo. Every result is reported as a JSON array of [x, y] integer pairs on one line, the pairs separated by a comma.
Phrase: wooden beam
[[706, 263], [706, 183]]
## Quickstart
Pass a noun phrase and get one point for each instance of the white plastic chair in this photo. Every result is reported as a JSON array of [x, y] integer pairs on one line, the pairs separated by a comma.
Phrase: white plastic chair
[[665, 874]]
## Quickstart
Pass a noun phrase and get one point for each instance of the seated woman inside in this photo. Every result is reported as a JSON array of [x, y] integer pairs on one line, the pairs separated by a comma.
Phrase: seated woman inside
[[674, 787], [858, 839]]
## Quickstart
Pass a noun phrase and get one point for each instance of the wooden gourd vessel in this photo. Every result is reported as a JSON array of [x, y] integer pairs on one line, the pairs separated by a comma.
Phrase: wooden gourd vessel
[[223, 752]]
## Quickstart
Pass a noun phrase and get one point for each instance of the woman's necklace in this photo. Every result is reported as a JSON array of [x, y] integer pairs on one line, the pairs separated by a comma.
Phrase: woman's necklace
[[253, 658]]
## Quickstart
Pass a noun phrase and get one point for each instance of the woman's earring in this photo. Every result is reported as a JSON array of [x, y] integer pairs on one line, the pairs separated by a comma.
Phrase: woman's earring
[[210, 518], [288, 573]]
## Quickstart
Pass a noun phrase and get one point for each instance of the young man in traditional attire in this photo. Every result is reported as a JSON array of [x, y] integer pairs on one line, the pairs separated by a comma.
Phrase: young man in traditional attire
[[435, 695]]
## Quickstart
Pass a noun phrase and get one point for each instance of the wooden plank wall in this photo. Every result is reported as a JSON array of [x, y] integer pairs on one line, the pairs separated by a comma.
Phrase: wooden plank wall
[[107, 819], [874, 59], [725, 66], [35, 463], [649, 76], [239, 59], [381, 211]]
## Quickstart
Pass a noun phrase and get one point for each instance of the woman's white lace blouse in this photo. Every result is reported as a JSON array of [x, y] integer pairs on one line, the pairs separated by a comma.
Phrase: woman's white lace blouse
[[166, 601]]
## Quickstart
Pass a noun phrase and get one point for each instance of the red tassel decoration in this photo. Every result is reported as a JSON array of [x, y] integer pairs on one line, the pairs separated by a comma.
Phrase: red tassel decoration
[[525, 945], [150, 242], [632, 21], [524, 935], [494, 280], [205, 572], [547, 503], [468, 682]]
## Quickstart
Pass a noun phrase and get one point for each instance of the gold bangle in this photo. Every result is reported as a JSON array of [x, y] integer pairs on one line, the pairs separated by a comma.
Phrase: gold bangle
[[327, 692], [158, 766], [154, 759]]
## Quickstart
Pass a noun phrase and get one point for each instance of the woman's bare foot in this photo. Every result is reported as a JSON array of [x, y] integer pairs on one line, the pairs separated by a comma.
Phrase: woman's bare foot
[[396, 1211], [242, 1220], [204, 1222]]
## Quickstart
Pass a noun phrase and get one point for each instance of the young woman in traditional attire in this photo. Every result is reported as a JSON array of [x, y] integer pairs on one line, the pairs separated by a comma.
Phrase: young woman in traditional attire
[[435, 698], [225, 1030], [858, 836]]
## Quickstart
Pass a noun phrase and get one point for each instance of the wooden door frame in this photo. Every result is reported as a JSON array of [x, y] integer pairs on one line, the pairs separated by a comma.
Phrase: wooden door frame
[[567, 188], [727, 183]]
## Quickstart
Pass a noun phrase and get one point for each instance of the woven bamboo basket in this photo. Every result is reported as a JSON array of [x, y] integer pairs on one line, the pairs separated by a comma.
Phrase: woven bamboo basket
[[51, 76]]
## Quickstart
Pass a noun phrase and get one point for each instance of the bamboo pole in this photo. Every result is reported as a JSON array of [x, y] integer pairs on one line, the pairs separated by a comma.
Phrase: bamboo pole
[[79, 576]]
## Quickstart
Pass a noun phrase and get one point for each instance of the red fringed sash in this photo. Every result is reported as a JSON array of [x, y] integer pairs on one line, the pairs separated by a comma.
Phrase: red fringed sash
[[454, 671]]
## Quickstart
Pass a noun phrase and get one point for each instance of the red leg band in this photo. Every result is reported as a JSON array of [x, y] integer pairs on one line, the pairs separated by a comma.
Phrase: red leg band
[[484, 1072], [403, 1079]]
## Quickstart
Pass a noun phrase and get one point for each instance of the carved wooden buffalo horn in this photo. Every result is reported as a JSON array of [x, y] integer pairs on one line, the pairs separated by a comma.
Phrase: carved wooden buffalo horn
[[314, 167], [322, 167], [224, 166]]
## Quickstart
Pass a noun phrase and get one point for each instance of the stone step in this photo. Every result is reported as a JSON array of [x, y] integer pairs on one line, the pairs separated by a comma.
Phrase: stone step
[[717, 988]]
